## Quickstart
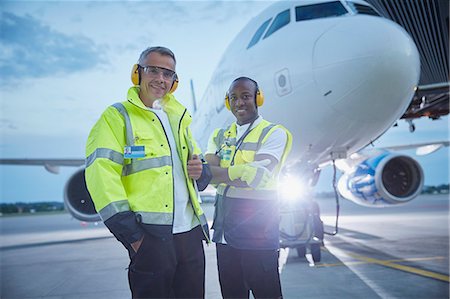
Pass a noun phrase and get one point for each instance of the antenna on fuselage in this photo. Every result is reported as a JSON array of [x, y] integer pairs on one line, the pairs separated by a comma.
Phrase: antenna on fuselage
[[194, 101]]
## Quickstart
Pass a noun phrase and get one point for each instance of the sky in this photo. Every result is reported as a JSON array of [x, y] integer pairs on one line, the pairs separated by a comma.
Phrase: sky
[[63, 63]]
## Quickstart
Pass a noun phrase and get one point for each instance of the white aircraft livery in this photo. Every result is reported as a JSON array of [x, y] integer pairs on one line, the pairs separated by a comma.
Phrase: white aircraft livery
[[337, 75], [337, 79]]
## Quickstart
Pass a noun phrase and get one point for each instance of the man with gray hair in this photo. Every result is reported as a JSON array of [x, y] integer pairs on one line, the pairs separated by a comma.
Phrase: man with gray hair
[[143, 172]]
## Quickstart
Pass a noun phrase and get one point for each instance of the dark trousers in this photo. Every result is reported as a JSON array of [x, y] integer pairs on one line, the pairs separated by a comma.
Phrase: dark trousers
[[172, 267], [242, 271]]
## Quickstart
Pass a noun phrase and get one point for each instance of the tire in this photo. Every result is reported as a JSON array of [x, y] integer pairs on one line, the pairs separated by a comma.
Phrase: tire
[[315, 252], [301, 251], [317, 222]]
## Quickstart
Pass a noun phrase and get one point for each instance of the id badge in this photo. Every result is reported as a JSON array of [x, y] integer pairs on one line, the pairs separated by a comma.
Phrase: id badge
[[226, 155], [134, 152]]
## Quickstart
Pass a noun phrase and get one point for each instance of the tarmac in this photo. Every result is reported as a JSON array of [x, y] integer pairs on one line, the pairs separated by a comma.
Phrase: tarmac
[[399, 252]]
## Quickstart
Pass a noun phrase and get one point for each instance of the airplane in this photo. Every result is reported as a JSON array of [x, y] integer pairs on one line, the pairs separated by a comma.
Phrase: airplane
[[338, 75]]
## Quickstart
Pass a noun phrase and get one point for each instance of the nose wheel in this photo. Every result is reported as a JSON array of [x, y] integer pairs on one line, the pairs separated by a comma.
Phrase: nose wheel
[[412, 126], [314, 249]]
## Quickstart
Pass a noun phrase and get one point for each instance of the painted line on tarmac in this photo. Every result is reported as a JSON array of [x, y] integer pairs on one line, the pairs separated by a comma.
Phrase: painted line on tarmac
[[372, 284], [391, 264], [395, 260], [50, 243], [408, 269]]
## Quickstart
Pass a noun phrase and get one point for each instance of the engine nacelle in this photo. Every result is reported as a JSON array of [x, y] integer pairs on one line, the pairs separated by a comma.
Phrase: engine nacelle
[[383, 180], [77, 199]]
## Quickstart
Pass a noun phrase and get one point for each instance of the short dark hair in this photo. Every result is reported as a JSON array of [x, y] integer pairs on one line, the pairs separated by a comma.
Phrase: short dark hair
[[161, 50], [243, 78]]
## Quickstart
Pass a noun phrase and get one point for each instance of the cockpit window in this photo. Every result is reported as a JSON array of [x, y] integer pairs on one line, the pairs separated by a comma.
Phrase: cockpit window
[[363, 9], [281, 20], [322, 10], [259, 33]]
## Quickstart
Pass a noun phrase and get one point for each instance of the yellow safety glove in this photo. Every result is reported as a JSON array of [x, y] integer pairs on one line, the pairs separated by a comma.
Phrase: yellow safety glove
[[254, 173]]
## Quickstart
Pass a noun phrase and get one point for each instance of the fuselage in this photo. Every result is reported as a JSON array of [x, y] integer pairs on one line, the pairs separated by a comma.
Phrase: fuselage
[[336, 81]]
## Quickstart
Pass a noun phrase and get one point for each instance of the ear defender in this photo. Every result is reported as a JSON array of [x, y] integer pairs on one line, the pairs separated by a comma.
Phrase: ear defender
[[136, 78], [174, 84], [227, 102], [259, 99]]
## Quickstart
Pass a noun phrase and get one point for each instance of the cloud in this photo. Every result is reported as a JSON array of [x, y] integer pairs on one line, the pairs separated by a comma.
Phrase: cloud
[[30, 49]]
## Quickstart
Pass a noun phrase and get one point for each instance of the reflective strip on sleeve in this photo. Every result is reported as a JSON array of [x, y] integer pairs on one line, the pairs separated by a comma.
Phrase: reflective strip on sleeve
[[140, 165], [156, 218], [114, 208], [258, 177], [129, 129], [264, 133], [105, 153]]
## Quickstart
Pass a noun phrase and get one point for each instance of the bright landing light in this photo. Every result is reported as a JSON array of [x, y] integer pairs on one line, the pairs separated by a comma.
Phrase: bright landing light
[[290, 188]]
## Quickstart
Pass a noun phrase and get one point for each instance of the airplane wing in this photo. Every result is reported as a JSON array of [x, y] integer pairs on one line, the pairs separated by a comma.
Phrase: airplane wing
[[422, 149], [43, 162], [51, 165]]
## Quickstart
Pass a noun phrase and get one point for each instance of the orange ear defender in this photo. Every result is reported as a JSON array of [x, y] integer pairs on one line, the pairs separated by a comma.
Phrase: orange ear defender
[[259, 99], [136, 78]]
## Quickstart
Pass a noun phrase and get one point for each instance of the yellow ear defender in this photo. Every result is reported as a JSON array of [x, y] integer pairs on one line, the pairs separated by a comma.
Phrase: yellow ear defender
[[227, 101], [259, 99], [136, 78], [174, 84]]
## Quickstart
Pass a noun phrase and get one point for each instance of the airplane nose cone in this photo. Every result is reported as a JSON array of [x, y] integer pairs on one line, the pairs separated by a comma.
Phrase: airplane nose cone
[[368, 63]]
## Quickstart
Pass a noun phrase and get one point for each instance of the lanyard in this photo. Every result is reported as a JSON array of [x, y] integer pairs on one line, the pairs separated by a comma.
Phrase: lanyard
[[240, 140]]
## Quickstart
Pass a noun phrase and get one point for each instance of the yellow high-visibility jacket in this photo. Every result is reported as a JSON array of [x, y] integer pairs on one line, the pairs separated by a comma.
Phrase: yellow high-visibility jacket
[[246, 216], [129, 191]]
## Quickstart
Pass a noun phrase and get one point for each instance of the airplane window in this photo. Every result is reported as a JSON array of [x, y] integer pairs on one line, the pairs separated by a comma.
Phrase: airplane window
[[281, 20], [322, 10], [363, 9], [259, 33]]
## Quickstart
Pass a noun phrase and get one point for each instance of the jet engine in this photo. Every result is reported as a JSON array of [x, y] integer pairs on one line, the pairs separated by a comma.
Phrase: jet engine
[[77, 199], [382, 180]]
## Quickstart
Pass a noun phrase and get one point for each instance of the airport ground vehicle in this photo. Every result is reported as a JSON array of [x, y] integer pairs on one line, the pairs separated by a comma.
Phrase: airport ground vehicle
[[301, 228]]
